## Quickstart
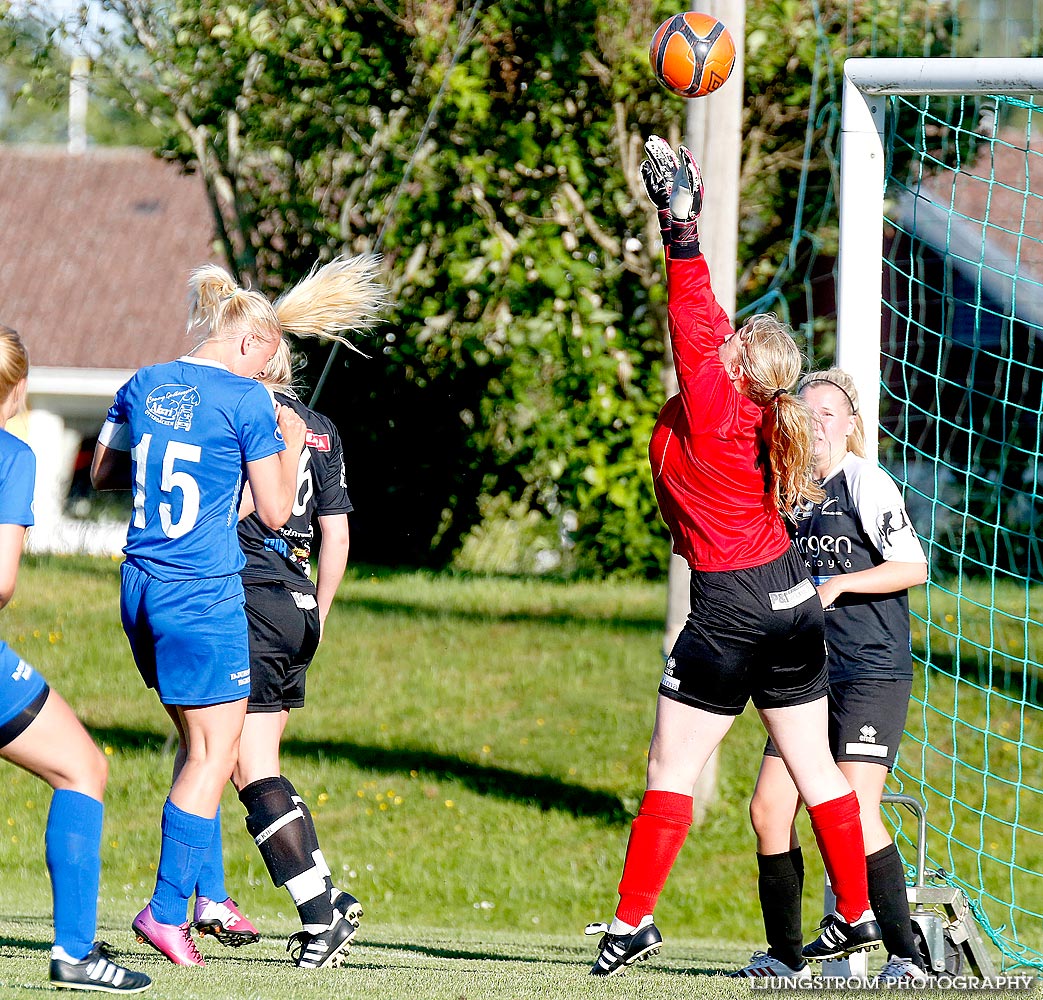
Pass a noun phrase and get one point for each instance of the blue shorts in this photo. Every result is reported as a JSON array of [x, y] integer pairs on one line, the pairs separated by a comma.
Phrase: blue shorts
[[188, 637], [20, 685]]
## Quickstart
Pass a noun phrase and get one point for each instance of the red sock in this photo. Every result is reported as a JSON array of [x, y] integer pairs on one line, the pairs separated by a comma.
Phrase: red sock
[[656, 835], [838, 830]]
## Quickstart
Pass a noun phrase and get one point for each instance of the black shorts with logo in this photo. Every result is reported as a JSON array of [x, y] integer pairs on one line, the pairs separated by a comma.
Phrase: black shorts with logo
[[866, 719], [752, 633], [284, 634]]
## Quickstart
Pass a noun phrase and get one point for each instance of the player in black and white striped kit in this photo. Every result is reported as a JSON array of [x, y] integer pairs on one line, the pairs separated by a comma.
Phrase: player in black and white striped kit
[[863, 554], [286, 612]]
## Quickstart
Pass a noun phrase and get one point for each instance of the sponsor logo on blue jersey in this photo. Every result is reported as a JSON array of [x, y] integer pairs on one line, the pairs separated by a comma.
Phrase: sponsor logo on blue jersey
[[173, 405]]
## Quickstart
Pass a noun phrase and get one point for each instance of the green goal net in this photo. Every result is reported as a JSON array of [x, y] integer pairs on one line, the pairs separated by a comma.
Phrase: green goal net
[[960, 380]]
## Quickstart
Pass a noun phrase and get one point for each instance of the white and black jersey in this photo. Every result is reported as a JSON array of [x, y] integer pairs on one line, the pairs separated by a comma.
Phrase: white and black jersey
[[285, 555], [861, 523]]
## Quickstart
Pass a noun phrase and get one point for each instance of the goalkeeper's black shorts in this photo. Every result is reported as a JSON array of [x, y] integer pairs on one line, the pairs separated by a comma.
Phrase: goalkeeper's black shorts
[[751, 634]]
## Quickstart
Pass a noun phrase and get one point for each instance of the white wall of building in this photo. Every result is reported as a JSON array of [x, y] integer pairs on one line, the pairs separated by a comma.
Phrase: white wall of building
[[65, 405]]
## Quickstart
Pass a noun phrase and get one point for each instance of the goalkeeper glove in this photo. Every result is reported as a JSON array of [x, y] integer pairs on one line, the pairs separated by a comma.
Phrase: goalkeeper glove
[[686, 202], [657, 173]]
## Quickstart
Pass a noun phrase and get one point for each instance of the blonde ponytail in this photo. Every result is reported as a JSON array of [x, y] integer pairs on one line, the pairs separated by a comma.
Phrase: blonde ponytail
[[343, 295], [223, 309], [770, 362]]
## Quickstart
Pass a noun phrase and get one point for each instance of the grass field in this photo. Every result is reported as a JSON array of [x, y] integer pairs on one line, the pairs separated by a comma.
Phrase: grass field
[[472, 751]]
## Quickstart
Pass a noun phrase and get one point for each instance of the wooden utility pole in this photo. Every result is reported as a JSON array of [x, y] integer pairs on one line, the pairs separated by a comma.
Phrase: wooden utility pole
[[713, 132]]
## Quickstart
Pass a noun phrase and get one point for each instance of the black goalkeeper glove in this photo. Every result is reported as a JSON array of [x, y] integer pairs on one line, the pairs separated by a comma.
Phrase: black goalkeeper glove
[[657, 174], [686, 202]]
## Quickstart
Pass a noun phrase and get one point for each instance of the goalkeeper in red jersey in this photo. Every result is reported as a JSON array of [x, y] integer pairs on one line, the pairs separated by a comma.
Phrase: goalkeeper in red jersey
[[731, 454]]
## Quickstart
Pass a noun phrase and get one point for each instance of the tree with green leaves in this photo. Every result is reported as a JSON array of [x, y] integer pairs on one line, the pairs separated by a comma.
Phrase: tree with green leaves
[[490, 153]]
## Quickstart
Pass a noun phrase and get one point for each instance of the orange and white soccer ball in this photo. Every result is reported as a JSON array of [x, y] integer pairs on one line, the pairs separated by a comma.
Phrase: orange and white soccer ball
[[692, 54]]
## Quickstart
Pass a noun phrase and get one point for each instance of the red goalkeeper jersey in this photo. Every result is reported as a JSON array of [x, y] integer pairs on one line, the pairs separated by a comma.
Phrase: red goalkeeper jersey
[[709, 464]]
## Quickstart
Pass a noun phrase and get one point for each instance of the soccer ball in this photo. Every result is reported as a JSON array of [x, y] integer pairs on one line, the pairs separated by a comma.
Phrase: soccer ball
[[692, 54]]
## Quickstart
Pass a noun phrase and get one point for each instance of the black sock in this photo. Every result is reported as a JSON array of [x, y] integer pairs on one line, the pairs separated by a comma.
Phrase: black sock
[[887, 897], [780, 880], [280, 830]]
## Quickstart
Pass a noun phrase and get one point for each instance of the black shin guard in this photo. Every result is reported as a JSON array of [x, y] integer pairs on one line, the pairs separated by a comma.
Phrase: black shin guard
[[280, 830], [780, 880], [310, 836], [890, 903]]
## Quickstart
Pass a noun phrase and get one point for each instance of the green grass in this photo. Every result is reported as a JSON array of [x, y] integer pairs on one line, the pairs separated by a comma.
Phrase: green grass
[[472, 751]]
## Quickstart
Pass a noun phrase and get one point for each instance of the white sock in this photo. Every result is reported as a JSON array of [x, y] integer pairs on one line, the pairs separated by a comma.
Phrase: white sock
[[622, 927]]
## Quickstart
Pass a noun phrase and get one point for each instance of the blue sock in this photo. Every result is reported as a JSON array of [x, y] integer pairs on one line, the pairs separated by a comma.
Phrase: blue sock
[[211, 879], [185, 839], [72, 846]]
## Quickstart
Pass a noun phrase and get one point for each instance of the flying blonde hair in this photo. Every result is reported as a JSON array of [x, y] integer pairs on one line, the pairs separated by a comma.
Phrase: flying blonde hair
[[341, 295], [839, 379], [770, 362]]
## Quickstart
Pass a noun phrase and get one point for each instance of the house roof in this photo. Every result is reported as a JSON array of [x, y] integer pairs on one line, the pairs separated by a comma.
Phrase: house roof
[[97, 249], [987, 219]]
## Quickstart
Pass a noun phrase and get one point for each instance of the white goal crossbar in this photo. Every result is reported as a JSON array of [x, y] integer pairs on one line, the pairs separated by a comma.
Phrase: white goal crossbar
[[867, 84]]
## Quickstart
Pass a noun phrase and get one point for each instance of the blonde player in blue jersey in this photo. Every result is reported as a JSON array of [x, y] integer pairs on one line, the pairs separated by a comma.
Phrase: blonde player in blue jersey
[[40, 733], [193, 427], [285, 611]]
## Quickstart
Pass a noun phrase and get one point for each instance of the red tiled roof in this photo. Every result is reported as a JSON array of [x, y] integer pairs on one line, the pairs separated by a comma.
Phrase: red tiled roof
[[1001, 186], [96, 254]]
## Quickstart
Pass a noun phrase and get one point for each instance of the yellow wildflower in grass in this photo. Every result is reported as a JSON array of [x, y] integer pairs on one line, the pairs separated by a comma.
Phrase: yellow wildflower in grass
[[323, 798], [486, 748], [449, 803], [109, 751]]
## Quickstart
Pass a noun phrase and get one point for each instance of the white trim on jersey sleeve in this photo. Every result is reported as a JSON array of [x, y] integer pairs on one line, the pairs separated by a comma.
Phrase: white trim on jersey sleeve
[[115, 436], [881, 510]]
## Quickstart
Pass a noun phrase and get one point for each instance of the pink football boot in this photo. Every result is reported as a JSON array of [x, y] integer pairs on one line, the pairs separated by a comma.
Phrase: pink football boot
[[173, 940], [224, 922]]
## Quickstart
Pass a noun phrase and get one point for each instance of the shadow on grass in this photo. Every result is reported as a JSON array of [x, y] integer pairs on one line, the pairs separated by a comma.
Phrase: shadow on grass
[[565, 957], [23, 944], [538, 790], [414, 610]]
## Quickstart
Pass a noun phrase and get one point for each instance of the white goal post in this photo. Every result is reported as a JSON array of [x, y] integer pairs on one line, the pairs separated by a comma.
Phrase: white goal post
[[867, 84]]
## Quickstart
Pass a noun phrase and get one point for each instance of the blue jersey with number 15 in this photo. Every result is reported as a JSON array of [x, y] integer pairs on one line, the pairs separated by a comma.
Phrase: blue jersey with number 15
[[190, 426]]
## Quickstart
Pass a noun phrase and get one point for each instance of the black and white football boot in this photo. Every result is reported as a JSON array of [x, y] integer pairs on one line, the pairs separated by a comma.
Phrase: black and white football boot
[[839, 938], [324, 950], [96, 971], [618, 951]]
